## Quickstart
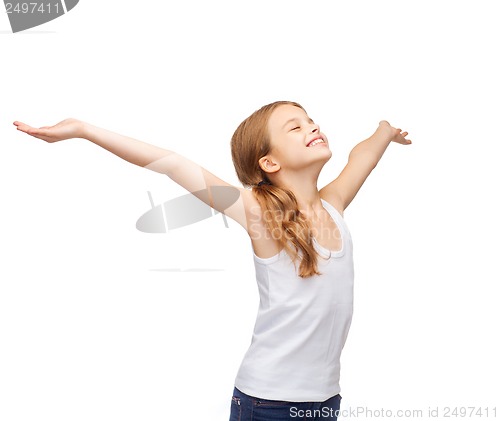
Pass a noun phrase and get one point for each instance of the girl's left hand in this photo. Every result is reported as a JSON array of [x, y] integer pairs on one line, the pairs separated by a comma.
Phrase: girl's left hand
[[394, 135]]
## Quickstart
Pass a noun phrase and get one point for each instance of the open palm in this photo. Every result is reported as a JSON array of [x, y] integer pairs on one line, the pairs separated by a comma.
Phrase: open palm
[[394, 134], [66, 129]]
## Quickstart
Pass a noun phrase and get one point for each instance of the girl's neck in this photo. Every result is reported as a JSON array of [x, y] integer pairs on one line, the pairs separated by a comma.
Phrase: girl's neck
[[306, 192]]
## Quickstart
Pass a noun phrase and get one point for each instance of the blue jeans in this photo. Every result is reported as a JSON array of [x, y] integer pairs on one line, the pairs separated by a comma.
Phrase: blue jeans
[[250, 408]]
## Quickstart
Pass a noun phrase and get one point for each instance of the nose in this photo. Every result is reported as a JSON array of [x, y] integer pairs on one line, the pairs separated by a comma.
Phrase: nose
[[314, 128]]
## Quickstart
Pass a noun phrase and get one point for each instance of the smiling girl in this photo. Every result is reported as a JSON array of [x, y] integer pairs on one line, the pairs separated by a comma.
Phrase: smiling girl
[[302, 248]]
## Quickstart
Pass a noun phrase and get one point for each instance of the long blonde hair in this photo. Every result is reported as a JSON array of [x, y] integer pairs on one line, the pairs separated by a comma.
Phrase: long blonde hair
[[249, 143]]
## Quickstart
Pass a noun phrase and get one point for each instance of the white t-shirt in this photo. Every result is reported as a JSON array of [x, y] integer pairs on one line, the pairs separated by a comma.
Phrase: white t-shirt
[[301, 326]]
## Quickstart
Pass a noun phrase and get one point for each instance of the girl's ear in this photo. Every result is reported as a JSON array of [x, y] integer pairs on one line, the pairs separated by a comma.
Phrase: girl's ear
[[267, 164]]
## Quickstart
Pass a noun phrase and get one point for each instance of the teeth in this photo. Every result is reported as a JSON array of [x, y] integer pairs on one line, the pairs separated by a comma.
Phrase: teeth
[[316, 142]]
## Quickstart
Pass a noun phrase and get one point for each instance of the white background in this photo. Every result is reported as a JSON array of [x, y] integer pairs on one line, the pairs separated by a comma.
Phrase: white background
[[99, 321]]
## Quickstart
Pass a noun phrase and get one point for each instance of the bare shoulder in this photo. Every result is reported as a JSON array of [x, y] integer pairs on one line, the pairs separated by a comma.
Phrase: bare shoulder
[[251, 204], [332, 196], [240, 208], [263, 243]]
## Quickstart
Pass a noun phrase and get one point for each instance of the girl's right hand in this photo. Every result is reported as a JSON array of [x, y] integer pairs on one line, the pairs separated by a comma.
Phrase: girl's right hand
[[66, 129]]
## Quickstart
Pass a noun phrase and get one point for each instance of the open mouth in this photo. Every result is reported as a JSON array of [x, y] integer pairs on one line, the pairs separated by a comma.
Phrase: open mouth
[[315, 142]]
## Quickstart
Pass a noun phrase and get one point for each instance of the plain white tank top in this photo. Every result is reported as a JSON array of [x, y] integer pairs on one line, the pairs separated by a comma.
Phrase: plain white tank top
[[302, 325]]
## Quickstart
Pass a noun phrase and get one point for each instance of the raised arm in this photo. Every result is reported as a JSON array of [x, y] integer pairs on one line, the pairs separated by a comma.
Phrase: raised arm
[[206, 186], [363, 158]]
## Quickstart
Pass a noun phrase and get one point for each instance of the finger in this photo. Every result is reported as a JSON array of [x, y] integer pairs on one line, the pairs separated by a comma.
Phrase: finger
[[22, 127], [28, 129], [37, 132]]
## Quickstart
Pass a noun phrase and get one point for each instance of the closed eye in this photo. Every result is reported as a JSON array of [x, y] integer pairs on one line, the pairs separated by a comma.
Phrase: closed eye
[[295, 128]]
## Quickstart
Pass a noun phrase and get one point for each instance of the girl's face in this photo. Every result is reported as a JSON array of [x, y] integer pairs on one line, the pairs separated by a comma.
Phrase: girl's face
[[296, 141]]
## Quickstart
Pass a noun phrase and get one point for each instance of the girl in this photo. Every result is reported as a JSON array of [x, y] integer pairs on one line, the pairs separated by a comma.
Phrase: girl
[[302, 247]]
